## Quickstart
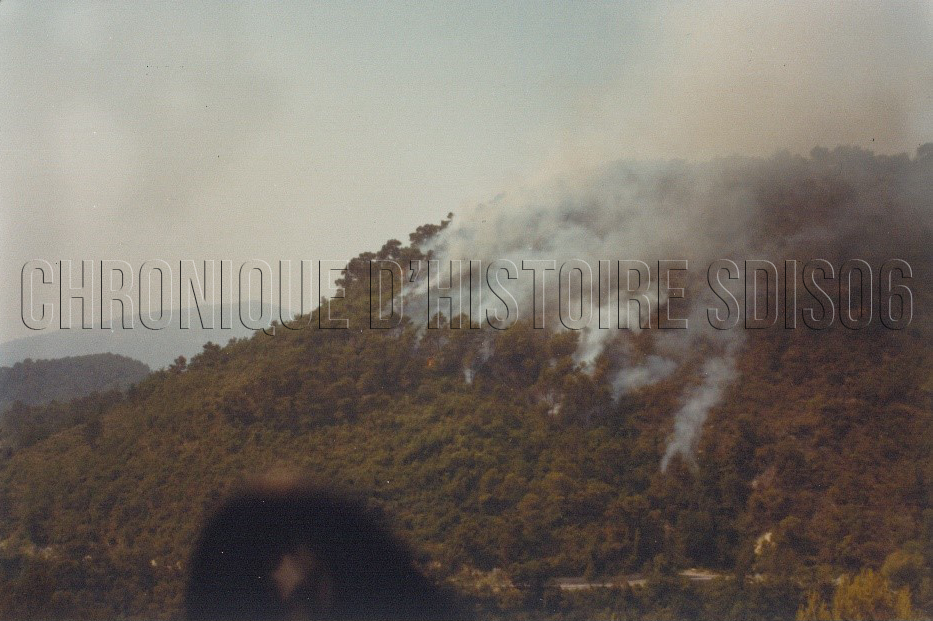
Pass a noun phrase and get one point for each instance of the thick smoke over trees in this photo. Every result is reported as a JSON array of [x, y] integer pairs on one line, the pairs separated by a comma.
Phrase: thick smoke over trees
[[836, 205]]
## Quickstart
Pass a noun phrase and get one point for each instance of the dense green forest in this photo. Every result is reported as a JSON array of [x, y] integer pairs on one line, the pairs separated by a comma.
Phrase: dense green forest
[[811, 489], [517, 472]]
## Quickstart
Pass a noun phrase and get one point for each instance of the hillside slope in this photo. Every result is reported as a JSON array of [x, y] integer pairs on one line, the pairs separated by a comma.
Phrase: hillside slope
[[505, 462], [825, 444]]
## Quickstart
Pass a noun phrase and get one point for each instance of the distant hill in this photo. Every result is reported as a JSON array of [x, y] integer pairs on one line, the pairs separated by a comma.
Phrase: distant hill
[[34, 382], [156, 348]]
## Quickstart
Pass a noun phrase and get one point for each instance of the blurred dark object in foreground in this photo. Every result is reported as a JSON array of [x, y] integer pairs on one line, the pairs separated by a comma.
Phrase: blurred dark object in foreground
[[292, 551]]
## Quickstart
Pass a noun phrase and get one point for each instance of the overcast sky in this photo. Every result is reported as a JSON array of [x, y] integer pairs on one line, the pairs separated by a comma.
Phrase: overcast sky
[[168, 130]]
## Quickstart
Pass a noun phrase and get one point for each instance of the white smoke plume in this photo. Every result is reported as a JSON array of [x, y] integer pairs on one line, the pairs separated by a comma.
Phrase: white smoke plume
[[769, 81], [688, 421], [783, 207], [654, 369]]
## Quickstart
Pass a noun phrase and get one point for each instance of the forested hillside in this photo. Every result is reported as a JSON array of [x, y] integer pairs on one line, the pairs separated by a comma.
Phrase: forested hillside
[[824, 446], [506, 463]]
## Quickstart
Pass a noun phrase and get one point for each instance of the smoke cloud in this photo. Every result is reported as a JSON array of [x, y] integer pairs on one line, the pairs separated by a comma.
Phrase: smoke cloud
[[768, 82], [752, 78], [167, 130], [827, 205]]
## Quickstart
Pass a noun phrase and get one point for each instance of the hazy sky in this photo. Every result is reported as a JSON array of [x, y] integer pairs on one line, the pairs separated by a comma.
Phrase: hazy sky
[[168, 130]]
